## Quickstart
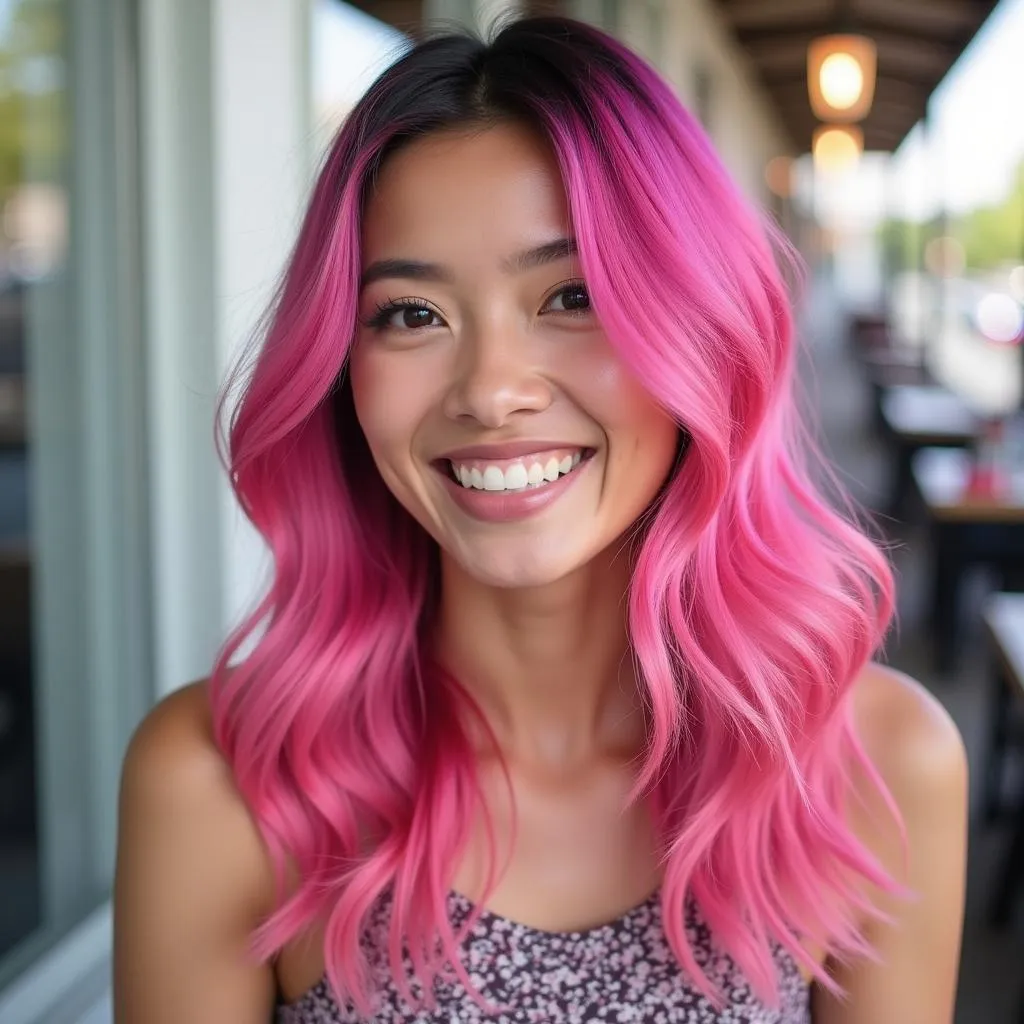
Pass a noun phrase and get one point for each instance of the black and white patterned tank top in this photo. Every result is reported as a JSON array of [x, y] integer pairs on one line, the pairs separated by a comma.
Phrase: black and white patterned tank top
[[619, 972]]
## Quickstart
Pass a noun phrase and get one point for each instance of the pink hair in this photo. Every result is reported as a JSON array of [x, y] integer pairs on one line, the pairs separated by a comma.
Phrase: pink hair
[[753, 607]]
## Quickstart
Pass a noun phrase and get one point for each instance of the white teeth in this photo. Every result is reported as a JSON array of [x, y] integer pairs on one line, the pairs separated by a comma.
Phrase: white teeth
[[517, 476], [494, 479]]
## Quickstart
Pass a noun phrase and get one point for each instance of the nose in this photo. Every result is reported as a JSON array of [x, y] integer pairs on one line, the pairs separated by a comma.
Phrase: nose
[[496, 377]]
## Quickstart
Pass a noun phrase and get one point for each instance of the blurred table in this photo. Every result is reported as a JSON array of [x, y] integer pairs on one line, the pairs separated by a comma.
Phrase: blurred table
[[966, 529], [891, 367], [915, 417], [1004, 622]]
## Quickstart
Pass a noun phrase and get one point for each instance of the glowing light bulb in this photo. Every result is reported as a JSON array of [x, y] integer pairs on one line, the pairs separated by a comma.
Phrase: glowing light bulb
[[842, 80], [836, 148]]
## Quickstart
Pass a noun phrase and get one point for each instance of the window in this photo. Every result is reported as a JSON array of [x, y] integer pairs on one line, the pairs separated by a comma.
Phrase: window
[[74, 651]]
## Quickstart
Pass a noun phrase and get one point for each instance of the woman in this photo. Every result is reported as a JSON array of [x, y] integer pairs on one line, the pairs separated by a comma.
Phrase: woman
[[560, 706]]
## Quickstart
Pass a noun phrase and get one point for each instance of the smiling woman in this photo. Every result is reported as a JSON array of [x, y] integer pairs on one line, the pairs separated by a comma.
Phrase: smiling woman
[[493, 396], [563, 707]]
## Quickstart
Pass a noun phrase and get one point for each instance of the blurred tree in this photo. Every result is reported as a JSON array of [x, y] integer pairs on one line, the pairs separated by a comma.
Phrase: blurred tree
[[904, 242], [995, 234], [990, 235], [32, 116]]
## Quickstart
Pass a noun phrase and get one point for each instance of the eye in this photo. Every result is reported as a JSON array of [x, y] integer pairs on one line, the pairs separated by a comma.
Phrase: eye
[[403, 315], [572, 298]]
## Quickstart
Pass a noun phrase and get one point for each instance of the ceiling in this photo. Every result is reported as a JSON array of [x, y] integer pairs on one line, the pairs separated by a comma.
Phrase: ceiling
[[918, 42]]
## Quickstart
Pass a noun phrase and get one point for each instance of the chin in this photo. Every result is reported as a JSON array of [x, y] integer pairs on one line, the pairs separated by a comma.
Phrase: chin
[[511, 570]]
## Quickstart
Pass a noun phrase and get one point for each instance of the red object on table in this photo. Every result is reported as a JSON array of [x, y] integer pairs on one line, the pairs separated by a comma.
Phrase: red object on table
[[988, 476], [985, 480]]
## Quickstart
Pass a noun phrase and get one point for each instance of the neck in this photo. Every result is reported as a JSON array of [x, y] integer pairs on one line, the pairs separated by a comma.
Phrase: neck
[[550, 667]]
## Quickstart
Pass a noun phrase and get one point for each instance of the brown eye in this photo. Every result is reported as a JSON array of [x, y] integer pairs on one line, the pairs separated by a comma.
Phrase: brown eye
[[402, 316], [573, 298], [415, 316]]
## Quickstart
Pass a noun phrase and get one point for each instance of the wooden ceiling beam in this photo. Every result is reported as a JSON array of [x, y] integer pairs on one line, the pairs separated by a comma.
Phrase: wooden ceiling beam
[[752, 13], [882, 143], [924, 57], [884, 137], [898, 120], [874, 26], [932, 16], [960, 18]]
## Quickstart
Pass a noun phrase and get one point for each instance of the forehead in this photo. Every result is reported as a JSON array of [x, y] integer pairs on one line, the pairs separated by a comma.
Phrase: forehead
[[463, 191]]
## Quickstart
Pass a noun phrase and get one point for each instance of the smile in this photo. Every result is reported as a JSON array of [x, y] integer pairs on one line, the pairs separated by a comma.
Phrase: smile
[[505, 483], [528, 472]]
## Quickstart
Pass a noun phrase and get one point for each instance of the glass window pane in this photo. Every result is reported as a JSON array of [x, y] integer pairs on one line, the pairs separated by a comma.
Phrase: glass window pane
[[33, 250], [73, 614]]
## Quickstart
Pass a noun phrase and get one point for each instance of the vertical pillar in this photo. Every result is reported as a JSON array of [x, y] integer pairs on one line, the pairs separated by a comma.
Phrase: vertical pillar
[[225, 167], [262, 166]]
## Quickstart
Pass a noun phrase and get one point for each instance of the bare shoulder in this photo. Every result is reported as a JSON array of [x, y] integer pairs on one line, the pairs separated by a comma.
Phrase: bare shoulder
[[916, 749], [173, 770], [193, 877], [176, 735], [909, 737]]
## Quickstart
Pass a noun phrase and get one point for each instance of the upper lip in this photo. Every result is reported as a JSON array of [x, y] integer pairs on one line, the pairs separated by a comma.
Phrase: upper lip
[[506, 450]]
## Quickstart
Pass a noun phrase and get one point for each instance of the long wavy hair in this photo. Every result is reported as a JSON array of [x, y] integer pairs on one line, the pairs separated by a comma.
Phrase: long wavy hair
[[755, 600]]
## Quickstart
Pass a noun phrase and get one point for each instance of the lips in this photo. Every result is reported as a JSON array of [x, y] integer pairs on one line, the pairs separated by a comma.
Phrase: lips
[[500, 483], [534, 470], [508, 450]]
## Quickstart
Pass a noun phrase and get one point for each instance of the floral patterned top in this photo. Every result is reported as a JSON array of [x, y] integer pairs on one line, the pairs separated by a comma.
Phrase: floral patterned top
[[619, 972]]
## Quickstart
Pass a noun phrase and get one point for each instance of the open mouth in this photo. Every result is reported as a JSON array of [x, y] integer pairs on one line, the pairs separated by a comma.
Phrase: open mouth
[[527, 472]]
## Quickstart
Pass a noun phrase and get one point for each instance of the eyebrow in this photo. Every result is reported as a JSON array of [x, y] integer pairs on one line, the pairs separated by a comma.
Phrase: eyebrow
[[417, 270]]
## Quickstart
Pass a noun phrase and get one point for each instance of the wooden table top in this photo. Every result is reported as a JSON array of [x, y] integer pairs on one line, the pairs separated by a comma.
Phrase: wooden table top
[[922, 415], [942, 476], [1004, 620]]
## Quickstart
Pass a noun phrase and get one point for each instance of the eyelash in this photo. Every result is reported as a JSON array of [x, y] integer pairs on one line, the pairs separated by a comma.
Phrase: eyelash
[[378, 319]]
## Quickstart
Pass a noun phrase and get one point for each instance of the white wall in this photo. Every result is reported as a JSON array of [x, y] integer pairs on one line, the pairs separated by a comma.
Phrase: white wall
[[262, 168], [225, 170]]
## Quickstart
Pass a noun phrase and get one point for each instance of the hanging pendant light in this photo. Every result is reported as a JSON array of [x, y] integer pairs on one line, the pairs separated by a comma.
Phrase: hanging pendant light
[[841, 77], [836, 147]]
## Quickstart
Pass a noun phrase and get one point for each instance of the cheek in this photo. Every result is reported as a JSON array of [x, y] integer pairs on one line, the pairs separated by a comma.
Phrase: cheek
[[389, 401], [643, 438], [645, 445]]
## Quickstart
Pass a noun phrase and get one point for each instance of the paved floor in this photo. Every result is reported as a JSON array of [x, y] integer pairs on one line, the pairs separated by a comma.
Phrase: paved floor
[[992, 972]]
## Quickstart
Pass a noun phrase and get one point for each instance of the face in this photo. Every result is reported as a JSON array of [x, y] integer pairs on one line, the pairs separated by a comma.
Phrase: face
[[493, 404]]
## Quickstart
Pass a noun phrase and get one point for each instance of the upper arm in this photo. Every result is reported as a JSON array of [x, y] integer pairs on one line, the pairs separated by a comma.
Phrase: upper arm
[[192, 880], [917, 750]]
